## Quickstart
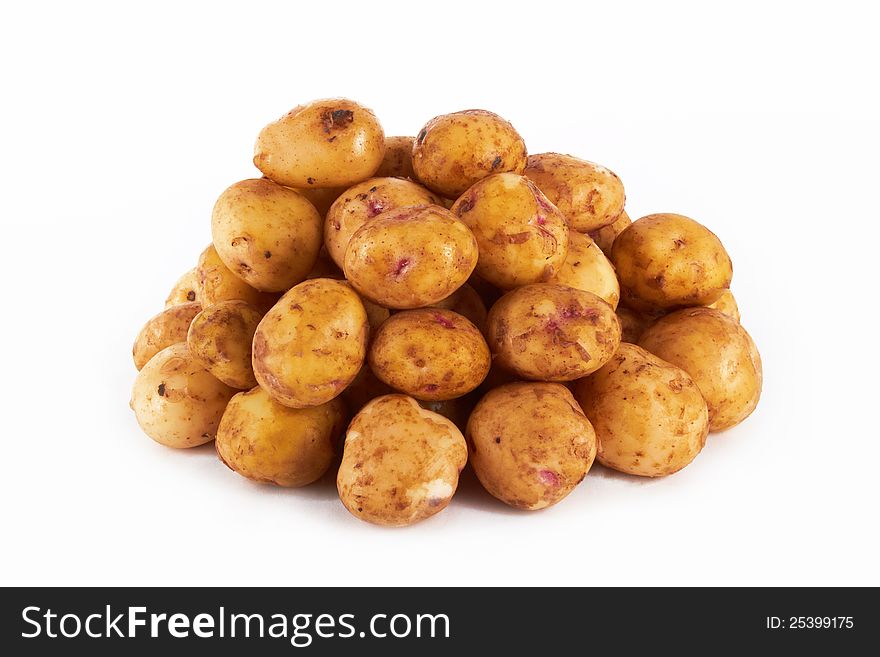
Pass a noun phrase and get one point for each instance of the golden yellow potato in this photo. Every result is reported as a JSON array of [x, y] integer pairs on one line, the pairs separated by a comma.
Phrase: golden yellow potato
[[322, 197], [453, 151], [587, 268], [632, 324], [220, 339], [720, 356], [606, 235], [217, 283], [311, 344], [325, 143], [177, 402], [365, 387], [430, 354], [365, 201], [649, 416], [465, 301], [530, 444], [667, 260], [548, 332], [264, 441], [522, 237], [163, 330], [398, 158], [185, 290], [410, 257], [588, 194], [401, 462], [726, 303]]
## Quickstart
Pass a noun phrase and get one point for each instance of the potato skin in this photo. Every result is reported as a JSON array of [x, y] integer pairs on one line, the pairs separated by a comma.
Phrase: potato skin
[[720, 356], [649, 416], [163, 330], [400, 463], [530, 444], [604, 237], [365, 387], [632, 324], [430, 354], [588, 194], [665, 261], [726, 303], [522, 237], [365, 201], [269, 443], [465, 301], [326, 143], [177, 402], [410, 257], [587, 268], [453, 151], [266, 234], [322, 197], [398, 158], [185, 290], [548, 332], [220, 339], [311, 344], [217, 283]]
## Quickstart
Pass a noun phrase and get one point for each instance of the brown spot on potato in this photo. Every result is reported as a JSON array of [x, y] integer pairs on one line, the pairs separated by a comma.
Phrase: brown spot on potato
[[161, 390], [191, 295]]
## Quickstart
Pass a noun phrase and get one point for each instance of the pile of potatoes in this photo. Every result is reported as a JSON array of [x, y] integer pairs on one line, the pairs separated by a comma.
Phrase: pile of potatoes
[[414, 304]]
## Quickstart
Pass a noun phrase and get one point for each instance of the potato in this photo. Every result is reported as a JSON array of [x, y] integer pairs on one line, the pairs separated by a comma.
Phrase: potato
[[220, 339], [410, 257], [177, 402], [457, 409], [217, 283], [465, 301], [163, 330], [266, 234], [632, 324], [726, 303], [185, 290], [326, 143], [365, 201], [322, 197], [587, 268], [401, 462], [530, 444], [264, 441], [550, 332], [649, 416], [665, 261], [588, 194], [453, 151], [311, 344], [720, 356], [522, 237], [365, 387], [430, 354], [324, 267], [398, 158], [604, 237]]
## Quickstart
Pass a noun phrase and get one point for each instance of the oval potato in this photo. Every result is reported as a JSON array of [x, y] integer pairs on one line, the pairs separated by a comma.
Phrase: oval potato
[[606, 235], [220, 339], [216, 283], [398, 158], [163, 330], [185, 290], [587, 268]]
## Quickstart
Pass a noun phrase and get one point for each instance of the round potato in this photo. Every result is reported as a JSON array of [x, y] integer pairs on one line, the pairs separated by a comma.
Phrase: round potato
[[530, 444], [220, 339], [216, 283], [550, 332], [430, 354], [185, 290], [453, 151], [163, 330], [398, 158], [267, 235], [522, 237], [720, 356], [365, 387], [726, 303], [632, 324], [326, 143], [665, 261], [588, 194], [410, 257], [587, 268], [465, 301], [266, 442], [649, 416], [401, 462], [177, 402], [606, 235], [311, 344], [365, 201]]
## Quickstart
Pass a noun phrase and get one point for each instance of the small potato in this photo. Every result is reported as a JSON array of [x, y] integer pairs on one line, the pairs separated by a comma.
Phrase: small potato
[[632, 324], [588, 194], [326, 143], [365, 387], [465, 301], [430, 354], [311, 344], [720, 356], [649, 416], [522, 237], [401, 462], [177, 402], [587, 268], [398, 158], [264, 441], [550, 332], [453, 151], [410, 257], [220, 339], [266, 234], [665, 261], [530, 444], [726, 303], [163, 330], [606, 235], [322, 198], [217, 283], [185, 290], [365, 201]]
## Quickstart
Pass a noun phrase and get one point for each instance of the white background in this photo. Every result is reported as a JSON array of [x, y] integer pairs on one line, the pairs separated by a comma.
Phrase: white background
[[121, 126]]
